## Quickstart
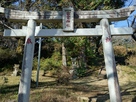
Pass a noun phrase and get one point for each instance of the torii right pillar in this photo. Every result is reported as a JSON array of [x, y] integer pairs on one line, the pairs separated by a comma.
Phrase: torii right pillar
[[113, 83]]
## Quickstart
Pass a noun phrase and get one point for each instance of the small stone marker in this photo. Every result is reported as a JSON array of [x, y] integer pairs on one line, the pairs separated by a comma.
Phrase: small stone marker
[[16, 70], [93, 100], [83, 99], [73, 70]]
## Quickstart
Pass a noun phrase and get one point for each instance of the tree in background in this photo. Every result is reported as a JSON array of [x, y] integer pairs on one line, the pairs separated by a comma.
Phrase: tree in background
[[84, 47], [8, 55]]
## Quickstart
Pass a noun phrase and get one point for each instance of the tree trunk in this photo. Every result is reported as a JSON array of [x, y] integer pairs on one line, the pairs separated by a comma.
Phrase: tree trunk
[[28, 4], [97, 45], [83, 57]]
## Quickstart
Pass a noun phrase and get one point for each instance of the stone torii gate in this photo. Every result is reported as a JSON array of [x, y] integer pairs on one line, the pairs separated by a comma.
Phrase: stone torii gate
[[68, 17]]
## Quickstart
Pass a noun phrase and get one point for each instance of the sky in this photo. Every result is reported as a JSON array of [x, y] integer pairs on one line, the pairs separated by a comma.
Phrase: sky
[[124, 23]]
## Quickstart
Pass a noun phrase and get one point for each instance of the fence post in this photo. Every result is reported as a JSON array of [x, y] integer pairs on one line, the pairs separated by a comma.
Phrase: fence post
[[113, 83], [25, 81], [38, 66]]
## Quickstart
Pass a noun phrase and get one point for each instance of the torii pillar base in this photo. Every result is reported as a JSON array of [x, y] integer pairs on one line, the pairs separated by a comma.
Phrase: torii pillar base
[[25, 81], [113, 83]]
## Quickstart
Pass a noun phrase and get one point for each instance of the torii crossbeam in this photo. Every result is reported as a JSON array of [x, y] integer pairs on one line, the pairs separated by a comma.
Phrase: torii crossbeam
[[79, 16], [104, 30], [124, 31]]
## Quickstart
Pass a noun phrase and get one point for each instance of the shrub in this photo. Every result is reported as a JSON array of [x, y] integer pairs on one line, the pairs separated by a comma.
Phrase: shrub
[[131, 60], [48, 63], [81, 71], [5, 54], [120, 50], [63, 76], [54, 63], [8, 58], [35, 63]]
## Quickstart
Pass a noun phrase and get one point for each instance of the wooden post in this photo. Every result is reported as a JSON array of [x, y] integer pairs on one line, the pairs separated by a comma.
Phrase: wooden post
[[113, 84], [25, 81]]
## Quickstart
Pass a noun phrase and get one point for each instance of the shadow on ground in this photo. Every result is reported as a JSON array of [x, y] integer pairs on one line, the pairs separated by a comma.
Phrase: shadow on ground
[[75, 88]]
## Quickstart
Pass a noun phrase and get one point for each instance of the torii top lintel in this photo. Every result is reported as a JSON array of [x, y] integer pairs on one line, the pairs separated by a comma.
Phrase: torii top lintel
[[79, 16]]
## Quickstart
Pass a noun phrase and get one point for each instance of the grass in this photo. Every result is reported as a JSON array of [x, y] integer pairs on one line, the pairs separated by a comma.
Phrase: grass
[[8, 87], [50, 91], [128, 71], [90, 86]]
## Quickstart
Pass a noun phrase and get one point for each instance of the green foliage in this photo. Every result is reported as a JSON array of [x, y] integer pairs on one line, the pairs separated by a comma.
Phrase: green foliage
[[41, 5], [35, 63], [5, 80], [131, 60], [8, 58], [75, 46], [92, 4], [80, 47], [4, 53], [53, 63], [80, 71], [7, 3]]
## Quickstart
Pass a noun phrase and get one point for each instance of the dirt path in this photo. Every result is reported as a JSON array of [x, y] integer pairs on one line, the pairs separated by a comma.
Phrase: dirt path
[[91, 87]]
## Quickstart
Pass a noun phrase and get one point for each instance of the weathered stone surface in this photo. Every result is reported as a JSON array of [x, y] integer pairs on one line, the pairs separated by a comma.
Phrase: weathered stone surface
[[77, 32], [16, 70], [79, 16], [83, 99], [93, 100]]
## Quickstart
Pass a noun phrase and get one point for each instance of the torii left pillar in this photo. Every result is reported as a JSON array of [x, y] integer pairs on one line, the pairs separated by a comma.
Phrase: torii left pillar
[[24, 87]]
